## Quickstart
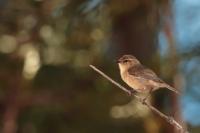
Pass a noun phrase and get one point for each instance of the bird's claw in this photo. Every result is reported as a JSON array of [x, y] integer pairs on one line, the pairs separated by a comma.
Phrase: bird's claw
[[131, 92], [144, 101], [170, 119]]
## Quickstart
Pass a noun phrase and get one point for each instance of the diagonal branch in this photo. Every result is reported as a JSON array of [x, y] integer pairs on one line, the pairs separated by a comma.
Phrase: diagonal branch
[[169, 119]]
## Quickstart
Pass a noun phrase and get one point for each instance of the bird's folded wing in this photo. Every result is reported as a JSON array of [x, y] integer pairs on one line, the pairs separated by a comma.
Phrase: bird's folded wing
[[143, 73]]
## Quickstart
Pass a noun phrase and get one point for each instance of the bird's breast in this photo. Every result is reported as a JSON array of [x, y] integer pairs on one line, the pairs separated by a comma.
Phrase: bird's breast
[[134, 82]]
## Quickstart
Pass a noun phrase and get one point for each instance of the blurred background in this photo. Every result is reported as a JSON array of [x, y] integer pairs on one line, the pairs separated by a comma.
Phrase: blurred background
[[46, 85]]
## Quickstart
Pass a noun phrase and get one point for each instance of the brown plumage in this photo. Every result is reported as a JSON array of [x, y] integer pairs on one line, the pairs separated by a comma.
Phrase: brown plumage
[[139, 77]]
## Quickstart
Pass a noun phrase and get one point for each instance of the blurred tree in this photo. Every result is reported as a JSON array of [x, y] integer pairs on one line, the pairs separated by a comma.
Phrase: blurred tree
[[45, 49]]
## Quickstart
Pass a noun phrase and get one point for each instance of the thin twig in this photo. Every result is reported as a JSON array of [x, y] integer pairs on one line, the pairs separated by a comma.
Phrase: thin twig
[[170, 120]]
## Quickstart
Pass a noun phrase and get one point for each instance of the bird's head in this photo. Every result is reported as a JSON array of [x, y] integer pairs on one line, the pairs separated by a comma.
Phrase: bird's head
[[127, 61]]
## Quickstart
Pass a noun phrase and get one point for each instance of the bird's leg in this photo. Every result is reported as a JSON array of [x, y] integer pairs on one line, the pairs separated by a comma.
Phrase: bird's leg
[[132, 92], [147, 96]]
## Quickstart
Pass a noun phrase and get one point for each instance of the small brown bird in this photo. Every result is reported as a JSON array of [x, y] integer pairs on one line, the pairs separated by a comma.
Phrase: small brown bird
[[140, 78]]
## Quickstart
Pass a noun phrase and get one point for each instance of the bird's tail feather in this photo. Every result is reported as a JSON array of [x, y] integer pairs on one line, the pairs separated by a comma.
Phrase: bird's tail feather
[[171, 88]]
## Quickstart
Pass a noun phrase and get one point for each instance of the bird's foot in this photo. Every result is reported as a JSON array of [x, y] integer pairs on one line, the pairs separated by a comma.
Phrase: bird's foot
[[170, 119], [144, 100], [131, 92]]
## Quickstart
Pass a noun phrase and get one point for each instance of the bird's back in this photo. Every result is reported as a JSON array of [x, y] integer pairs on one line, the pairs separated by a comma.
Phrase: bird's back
[[143, 73]]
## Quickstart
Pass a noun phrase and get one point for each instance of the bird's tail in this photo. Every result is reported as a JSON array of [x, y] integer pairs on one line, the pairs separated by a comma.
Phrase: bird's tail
[[171, 88]]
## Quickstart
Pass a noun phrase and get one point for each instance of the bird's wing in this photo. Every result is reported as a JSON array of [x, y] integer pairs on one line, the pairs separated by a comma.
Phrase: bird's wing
[[143, 73]]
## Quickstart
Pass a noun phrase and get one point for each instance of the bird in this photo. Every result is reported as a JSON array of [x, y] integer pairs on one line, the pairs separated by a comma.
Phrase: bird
[[140, 78]]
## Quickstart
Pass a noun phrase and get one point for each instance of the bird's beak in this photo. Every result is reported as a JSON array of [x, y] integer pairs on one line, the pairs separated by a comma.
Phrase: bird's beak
[[118, 61]]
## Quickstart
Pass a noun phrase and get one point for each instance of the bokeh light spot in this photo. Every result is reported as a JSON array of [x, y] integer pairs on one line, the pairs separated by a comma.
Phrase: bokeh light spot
[[7, 44], [32, 61]]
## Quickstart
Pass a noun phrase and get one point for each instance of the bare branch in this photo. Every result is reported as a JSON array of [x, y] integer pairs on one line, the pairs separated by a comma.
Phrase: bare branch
[[170, 120]]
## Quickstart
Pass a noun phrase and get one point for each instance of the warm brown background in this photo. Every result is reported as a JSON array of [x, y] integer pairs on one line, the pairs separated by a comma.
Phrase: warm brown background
[[46, 46]]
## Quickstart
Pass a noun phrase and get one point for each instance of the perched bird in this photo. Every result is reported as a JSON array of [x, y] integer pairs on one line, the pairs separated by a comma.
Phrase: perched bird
[[140, 78]]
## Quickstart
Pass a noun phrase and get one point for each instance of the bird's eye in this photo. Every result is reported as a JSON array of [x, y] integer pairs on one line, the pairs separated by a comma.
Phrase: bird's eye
[[125, 61]]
